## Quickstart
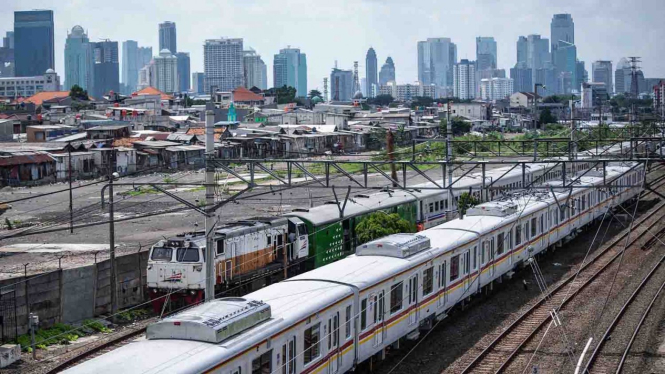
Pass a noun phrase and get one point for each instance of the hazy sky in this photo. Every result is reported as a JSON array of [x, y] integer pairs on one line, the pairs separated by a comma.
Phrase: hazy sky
[[343, 30]]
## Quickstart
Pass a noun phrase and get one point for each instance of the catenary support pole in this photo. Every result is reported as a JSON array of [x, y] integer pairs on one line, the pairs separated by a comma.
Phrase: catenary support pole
[[449, 158], [114, 279], [71, 202], [210, 200]]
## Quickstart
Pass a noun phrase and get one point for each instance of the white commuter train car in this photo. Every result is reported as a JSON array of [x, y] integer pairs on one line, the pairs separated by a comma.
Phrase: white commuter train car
[[332, 318]]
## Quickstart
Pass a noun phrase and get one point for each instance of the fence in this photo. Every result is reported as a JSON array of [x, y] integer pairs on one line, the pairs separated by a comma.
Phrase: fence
[[70, 295]]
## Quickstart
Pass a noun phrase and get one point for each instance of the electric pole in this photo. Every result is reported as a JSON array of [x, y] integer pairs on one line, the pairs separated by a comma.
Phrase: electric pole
[[390, 140], [210, 201], [114, 285], [449, 158], [71, 203]]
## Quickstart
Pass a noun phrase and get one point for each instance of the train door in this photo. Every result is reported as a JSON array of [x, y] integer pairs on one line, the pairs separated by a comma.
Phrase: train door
[[289, 356], [491, 258], [443, 295], [347, 245], [379, 304], [263, 363], [466, 266], [413, 299], [333, 343]]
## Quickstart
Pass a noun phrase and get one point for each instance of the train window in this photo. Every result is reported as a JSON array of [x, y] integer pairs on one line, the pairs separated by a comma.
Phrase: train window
[[475, 257], [542, 223], [396, 297], [534, 226], [363, 314], [467, 262], [484, 249], [442, 275], [379, 305], [562, 213], [269, 239], [431, 207], [237, 371], [454, 268], [428, 281], [161, 254], [499, 244], [220, 247], [526, 231], [583, 202], [347, 325], [262, 364], [302, 230], [413, 289], [518, 234], [311, 343], [444, 204], [436, 206], [187, 255]]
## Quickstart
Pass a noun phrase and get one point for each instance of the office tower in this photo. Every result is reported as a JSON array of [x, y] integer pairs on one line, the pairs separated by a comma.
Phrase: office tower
[[33, 42], [255, 70], [290, 69], [496, 88], [106, 71], [622, 76], [144, 55], [7, 56], [79, 60], [601, 72], [464, 80], [562, 29], [183, 71], [436, 58], [565, 61], [132, 62], [522, 77], [198, 83], [341, 84], [371, 73], [167, 37], [486, 53], [222, 64], [387, 72], [166, 71]]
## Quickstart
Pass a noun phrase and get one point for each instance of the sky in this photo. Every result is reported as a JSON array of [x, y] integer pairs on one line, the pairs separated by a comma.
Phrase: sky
[[343, 30]]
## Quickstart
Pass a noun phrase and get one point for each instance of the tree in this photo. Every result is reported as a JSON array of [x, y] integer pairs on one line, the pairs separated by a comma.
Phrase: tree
[[78, 93], [380, 224], [459, 126], [285, 94], [421, 101], [314, 93], [547, 117], [466, 201], [382, 100]]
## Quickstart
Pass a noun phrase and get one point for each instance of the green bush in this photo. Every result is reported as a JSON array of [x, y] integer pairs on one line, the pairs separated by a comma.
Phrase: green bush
[[380, 224], [96, 325]]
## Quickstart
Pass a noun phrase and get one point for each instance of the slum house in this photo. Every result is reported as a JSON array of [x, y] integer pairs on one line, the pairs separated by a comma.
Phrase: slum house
[[125, 160], [109, 131], [8, 128], [182, 138], [26, 168], [184, 156], [45, 133], [82, 165], [151, 154]]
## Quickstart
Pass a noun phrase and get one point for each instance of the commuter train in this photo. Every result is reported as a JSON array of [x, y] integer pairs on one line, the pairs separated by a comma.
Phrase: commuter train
[[332, 318]]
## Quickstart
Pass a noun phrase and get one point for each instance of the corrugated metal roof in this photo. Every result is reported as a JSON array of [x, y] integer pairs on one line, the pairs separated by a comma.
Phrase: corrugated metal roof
[[25, 158]]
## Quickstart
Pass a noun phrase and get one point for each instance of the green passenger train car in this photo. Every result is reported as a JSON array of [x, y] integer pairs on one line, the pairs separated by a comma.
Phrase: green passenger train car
[[332, 235]]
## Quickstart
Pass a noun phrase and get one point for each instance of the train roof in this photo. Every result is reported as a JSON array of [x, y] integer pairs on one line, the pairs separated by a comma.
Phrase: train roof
[[250, 225]]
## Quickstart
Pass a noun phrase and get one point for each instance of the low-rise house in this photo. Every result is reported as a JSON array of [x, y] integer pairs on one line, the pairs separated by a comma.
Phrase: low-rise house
[[82, 165], [125, 160], [109, 131], [8, 128], [26, 168], [45, 133], [184, 156], [182, 138], [151, 153]]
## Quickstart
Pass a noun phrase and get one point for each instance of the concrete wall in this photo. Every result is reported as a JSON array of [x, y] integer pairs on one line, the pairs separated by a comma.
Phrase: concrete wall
[[73, 295]]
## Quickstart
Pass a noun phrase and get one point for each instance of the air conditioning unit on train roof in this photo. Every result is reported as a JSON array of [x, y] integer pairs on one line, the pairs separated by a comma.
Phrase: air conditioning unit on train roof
[[213, 321], [494, 209], [396, 245]]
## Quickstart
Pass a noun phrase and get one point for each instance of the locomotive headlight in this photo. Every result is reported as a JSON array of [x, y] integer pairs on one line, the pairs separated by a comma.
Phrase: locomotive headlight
[[198, 267], [192, 292]]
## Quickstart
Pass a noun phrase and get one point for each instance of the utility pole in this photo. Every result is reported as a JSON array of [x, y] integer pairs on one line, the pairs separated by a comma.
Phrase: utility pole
[[573, 144], [71, 204], [210, 201], [114, 283], [390, 140], [449, 158]]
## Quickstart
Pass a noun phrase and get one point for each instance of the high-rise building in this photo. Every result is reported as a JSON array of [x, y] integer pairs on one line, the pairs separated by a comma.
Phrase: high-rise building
[[147, 76], [133, 59], [464, 80], [601, 72], [407, 92], [495, 88], [7, 56], [622, 77], [167, 37], [387, 72], [255, 70], [594, 95], [532, 53], [486, 53], [371, 73], [79, 60], [222, 64], [166, 72], [562, 29], [436, 58], [28, 86], [198, 83], [183, 71], [106, 71], [565, 61], [290, 69], [33, 42], [341, 84], [144, 55], [522, 77]]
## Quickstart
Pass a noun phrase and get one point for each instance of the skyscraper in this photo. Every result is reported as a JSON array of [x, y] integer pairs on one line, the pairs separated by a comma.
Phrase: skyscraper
[[7, 56], [436, 58], [622, 76], [371, 73], [79, 61], [290, 69], [341, 84], [33, 42], [183, 71], [486, 53], [255, 70], [522, 77], [106, 71], [144, 56], [222, 64], [130, 65], [167, 37], [198, 83], [166, 72], [562, 29], [464, 80], [387, 72], [8, 40], [564, 53]]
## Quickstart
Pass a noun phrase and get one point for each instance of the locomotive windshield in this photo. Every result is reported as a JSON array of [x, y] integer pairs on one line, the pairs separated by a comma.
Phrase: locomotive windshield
[[187, 255], [161, 254]]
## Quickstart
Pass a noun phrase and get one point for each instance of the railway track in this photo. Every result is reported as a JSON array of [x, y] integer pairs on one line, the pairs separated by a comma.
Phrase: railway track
[[504, 348], [604, 358]]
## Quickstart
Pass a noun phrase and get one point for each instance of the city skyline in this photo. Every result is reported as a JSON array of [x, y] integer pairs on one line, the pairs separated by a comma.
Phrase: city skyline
[[324, 47]]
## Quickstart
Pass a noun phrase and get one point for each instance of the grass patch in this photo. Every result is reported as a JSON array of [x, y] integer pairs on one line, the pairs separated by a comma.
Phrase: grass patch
[[132, 315], [144, 190], [96, 325], [60, 333]]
